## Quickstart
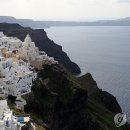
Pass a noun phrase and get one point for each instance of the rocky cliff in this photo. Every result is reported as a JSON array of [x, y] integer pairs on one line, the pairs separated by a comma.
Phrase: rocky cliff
[[59, 101], [41, 40], [105, 98]]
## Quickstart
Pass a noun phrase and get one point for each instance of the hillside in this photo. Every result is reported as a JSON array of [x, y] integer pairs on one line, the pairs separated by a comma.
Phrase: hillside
[[59, 102], [41, 40]]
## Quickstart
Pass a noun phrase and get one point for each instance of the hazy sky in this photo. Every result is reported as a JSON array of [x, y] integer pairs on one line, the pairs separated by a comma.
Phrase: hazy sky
[[65, 9]]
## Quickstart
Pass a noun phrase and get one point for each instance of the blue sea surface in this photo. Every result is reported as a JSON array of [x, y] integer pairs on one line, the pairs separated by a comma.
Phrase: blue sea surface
[[104, 51]]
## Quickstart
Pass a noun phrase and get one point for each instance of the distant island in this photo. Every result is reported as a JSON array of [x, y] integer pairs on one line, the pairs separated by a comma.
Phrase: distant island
[[45, 24]]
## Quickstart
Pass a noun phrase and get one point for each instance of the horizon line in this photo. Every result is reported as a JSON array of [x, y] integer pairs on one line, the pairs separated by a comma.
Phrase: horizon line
[[65, 20]]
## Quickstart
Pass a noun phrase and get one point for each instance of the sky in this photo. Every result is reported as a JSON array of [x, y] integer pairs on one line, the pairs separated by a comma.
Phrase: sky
[[79, 10]]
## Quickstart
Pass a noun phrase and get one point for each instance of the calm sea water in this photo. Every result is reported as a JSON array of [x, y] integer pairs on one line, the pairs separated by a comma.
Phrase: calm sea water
[[102, 51]]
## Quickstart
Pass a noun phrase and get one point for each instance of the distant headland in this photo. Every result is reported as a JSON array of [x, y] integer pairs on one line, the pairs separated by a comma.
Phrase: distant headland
[[45, 24]]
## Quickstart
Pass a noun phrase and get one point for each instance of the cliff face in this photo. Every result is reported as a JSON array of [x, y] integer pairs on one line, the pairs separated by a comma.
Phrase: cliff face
[[108, 100], [39, 36], [60, 102]]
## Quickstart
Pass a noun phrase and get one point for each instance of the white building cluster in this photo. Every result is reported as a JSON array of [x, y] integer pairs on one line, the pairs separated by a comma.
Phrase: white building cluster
[[9, 121], [17, 62], [15, 77]]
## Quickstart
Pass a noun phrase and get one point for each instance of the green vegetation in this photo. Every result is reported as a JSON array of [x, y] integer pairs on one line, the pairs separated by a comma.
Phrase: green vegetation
[[50, 86], [14, 109], [38, 127], [58, 101], [103, 116]]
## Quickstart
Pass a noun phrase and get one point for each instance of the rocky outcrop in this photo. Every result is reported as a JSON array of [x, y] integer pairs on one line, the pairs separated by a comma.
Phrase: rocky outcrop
[[39, 36], [108, 100], [59, 102], [88, 83]]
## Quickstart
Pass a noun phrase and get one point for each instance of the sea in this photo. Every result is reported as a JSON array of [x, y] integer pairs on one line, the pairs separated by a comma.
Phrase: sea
[[103, 51]]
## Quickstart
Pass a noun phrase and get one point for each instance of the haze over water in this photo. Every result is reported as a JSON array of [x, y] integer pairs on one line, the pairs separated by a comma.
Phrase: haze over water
[[102, 51]]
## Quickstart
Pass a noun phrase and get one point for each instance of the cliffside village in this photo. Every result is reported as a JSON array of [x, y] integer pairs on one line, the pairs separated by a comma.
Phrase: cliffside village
[[18, 63]]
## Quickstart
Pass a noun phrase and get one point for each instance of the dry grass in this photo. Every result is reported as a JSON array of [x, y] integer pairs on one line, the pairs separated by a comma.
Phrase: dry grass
[[38, 127]]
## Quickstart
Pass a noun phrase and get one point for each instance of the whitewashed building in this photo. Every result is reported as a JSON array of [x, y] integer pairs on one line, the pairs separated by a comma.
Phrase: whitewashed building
[[32, 54], [17, 62], [15, 77], [9, 121], [10, 43]]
